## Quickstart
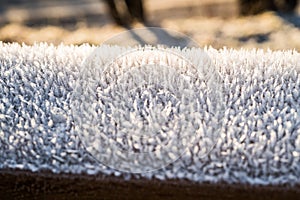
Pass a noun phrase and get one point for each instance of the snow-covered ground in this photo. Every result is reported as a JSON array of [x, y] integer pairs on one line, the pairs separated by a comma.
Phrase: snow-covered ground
[[208, 22]]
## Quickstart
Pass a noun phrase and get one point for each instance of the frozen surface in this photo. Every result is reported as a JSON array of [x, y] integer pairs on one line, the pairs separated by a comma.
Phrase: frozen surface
[[259, 142]]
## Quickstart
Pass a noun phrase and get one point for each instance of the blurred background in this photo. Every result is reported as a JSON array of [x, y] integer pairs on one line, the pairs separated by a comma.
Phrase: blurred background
[[273, 24]]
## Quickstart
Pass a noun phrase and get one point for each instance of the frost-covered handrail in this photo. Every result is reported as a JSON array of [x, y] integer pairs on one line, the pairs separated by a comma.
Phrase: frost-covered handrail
[[259, 142]]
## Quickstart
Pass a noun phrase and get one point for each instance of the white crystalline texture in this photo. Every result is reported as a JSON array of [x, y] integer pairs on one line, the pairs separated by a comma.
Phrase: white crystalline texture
[[259, 141]]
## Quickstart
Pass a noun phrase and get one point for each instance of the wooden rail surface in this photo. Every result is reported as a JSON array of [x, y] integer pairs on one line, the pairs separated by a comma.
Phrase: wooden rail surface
[[45, 185]]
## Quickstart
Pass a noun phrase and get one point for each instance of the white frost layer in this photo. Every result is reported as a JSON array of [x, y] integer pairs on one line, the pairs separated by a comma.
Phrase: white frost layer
[[259, 142]]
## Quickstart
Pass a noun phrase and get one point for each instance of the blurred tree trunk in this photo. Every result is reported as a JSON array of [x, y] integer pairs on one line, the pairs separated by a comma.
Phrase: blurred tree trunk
[[252, 7], [125, 12]]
